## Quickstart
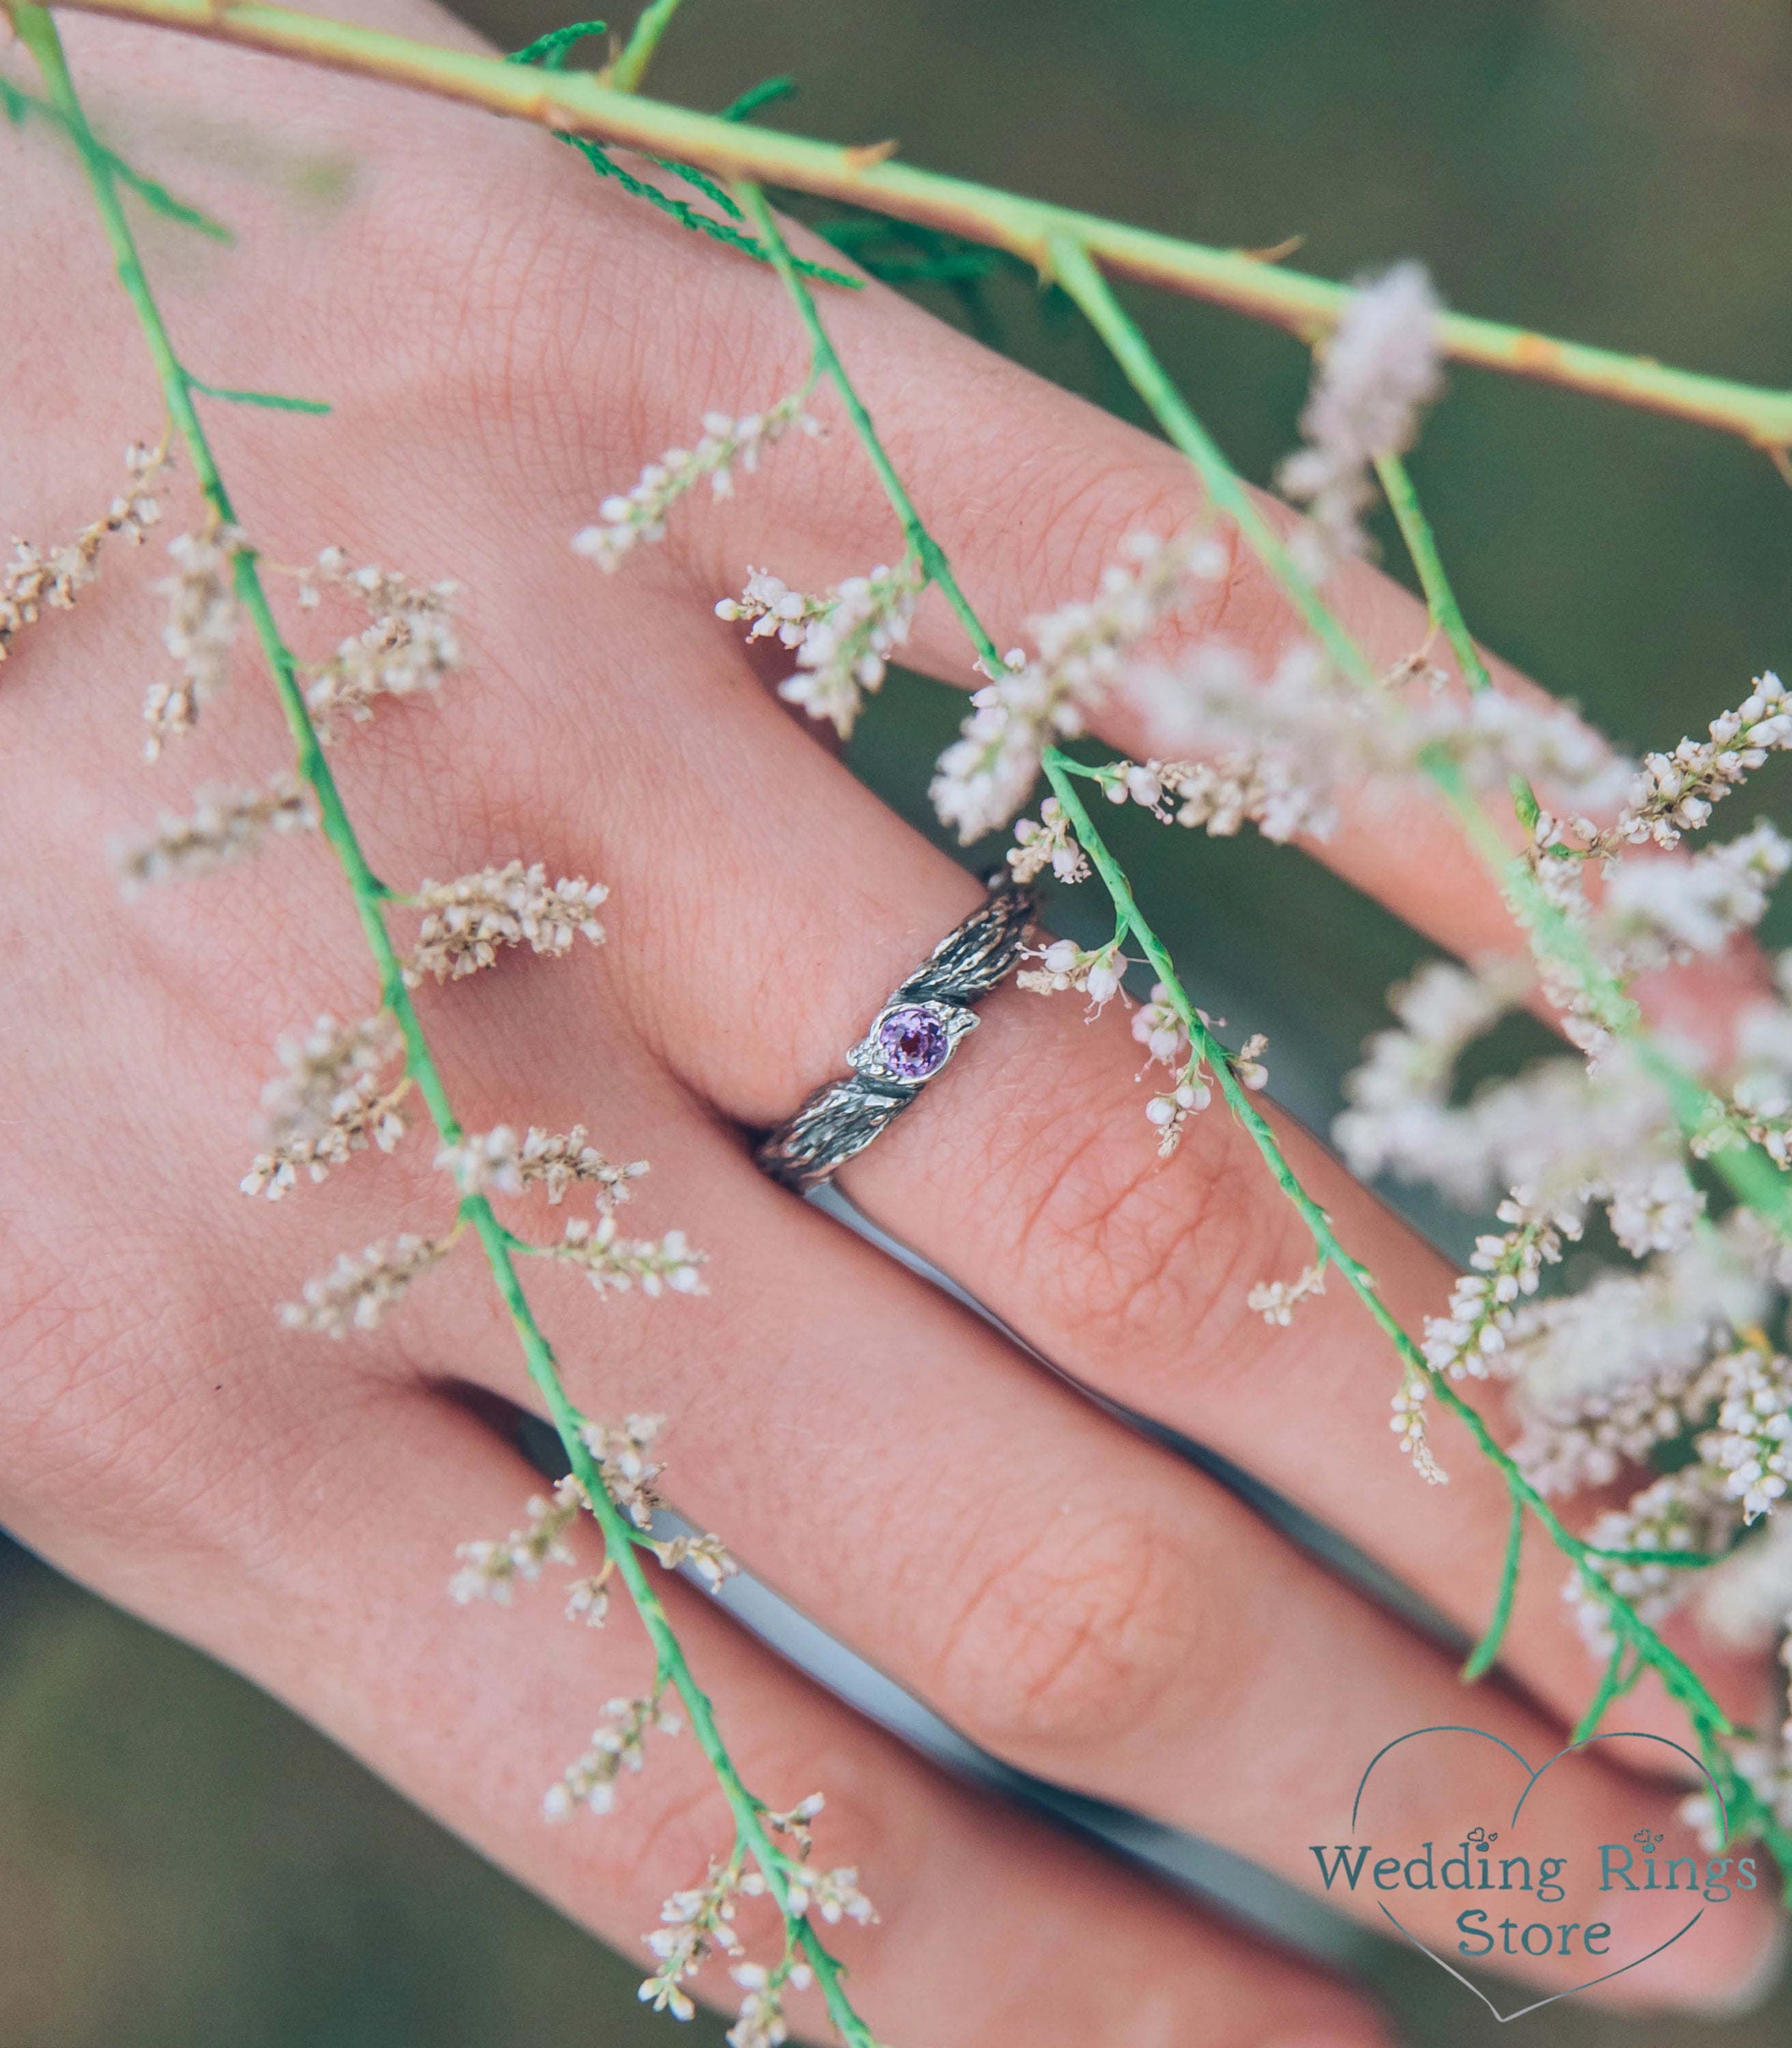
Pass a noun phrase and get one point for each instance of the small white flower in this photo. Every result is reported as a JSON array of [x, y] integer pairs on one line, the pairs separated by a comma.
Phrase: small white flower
[[32, 582], [200, 631], [1380, 367], [727, 444], [224, 824]]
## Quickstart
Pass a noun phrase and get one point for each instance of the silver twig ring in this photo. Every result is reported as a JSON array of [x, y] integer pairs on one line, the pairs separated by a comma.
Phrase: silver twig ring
[[910, 1039]]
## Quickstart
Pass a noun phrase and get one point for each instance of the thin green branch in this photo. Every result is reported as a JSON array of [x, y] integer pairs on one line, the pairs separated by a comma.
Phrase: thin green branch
[[549, 52], [1622, 1670], [927, 550], [1070, 266], [276, 401], [552, 50], [17, 105], [625, 74], [1422, 545], [1486, 1652], [38, 32], [1751, 1174], [1709, 1723], [578, 105], [768, 89]]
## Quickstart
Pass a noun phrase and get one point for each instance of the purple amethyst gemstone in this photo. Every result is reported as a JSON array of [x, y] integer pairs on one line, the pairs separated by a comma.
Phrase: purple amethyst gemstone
[[914, 1043]]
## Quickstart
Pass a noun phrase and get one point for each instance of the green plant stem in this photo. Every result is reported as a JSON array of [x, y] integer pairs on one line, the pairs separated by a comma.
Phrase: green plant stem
[[625, 74], [1751, 1173], [575, 104], [1485, 1653], [1422, 545], [1709, 1723], [1070, 265], [927, 550], [1616, 1681], [38, 32]]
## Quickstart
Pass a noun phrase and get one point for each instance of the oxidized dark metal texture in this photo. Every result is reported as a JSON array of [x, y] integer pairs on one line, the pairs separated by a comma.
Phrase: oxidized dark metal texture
[[844, 1116]]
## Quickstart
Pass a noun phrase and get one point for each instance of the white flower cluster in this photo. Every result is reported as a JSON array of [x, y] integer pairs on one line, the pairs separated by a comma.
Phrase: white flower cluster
[[1412, 1431], [498, 1162], [465, 921], [608, 1260], [409, 645], [1603, 1376], [1048, 842], [1276, 1300], [1675, 792], [1096, 973], [1655, 912], [32, 582], [772, 608], [698, 1923], [693, 1925], [1381, 367], [1682, 1514], [223, 825], [1748, 1443], [703, 1553], [843, 639], [590, 1780], [1567, 1137], [331, 1101], [726, 444], [1274, 751], [624, 1464], [988, 773], [1468, 1340], [200, 631], [1766, 1767], [490, 1571], [848, 640], [358, 1290], [1757, 1093], [762, 2023]]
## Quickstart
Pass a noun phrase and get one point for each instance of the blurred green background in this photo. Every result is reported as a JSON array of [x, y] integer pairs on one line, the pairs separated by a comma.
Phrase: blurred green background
[[182, 1862]]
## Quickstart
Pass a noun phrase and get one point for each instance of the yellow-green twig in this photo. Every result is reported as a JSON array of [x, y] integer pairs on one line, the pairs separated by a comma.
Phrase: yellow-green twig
[[575, 104]]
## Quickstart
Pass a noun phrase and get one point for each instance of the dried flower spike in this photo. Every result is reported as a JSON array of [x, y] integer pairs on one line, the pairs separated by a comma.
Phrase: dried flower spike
[[33, 582], [1276, 1300], [727, 444], [201, 629], [497, 1161], [589, 1782], [332, 1102], [465, 921], [409, 645], [490, 1571], [607, 1260], [1377, 372], [224, 824], [985, 775], [357, 1291]]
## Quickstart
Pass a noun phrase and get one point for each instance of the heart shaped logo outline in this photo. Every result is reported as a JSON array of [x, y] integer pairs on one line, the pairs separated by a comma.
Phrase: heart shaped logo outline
[[1532, 1776]]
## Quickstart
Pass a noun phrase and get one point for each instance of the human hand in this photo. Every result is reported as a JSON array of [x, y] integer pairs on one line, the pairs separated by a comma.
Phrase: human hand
[[502, 342]]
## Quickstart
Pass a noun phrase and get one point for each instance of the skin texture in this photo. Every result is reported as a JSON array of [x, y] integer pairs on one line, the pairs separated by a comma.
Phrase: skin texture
[[503, 341]]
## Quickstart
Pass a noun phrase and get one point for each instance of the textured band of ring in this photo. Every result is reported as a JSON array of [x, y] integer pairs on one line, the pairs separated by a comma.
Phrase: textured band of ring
[[910, 1039]]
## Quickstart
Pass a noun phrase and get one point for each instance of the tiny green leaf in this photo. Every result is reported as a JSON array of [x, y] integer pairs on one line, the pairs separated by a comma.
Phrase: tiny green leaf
[[276, 401]]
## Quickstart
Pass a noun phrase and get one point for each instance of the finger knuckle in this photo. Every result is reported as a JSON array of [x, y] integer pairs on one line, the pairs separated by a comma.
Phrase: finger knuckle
[[1113, 1238], [1076, 1632]]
